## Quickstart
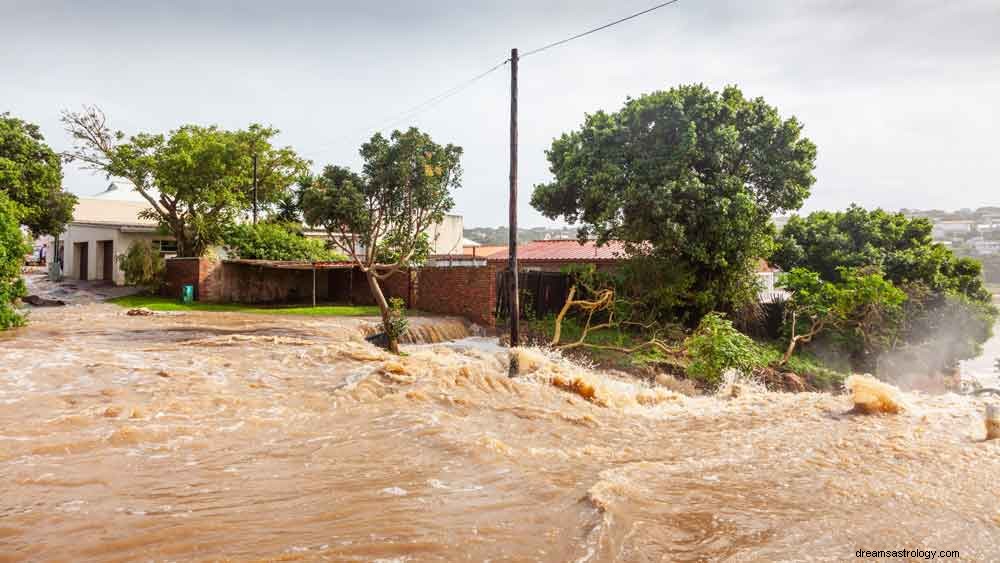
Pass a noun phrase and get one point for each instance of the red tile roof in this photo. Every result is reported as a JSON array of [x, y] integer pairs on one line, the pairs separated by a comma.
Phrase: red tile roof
[[483, 251], [565, 250]]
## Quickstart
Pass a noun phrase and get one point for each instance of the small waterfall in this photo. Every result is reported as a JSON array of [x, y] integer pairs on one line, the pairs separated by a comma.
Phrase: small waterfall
[[427, 331]]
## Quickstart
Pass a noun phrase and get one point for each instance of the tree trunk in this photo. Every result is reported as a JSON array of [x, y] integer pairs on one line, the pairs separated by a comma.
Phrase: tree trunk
[[788, 351], [383, 305]]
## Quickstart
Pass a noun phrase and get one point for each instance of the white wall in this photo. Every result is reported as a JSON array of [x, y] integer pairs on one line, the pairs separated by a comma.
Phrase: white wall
[[92, 235], [446, 236]]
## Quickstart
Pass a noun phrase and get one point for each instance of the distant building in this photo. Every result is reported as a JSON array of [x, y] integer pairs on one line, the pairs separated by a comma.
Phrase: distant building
[[948, 229], [767, 282], [103, 229], [983, 246]]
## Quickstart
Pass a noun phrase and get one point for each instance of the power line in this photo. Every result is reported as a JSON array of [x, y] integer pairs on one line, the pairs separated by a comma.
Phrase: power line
[[434, 100], [596, 29], [438, 98], [426, 104]]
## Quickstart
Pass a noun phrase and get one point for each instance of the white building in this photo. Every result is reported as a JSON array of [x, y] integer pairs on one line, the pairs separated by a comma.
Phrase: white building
[[103, 229], [946, 229], [983, 246], [105, 226], [445, 237]]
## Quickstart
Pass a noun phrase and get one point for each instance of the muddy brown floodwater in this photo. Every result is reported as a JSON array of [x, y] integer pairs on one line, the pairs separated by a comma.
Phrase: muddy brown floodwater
[[219, 436]]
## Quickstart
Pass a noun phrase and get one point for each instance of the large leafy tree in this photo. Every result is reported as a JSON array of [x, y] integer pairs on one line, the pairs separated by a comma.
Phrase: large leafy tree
[[31, 177], [688, 177], [12, 251], [383, 212], [947, 314], [197, 179]]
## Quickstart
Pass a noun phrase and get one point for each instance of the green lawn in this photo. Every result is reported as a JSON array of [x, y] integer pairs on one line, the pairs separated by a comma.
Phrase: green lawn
[[155, 303]]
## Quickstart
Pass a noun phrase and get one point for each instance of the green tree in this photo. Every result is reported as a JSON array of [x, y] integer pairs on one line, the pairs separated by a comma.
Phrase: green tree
[[688, 177], [948, 312], [31, 176], [197, 180], [12, 251], [271, 241], [143, 266], [404, 188], [862, 308], [716, 346], [901, 247]]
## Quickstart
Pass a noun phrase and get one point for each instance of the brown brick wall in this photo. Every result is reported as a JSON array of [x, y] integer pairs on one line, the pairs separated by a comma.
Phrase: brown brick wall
[[205, 275], [246, 283], [465, 291], [180, 271]]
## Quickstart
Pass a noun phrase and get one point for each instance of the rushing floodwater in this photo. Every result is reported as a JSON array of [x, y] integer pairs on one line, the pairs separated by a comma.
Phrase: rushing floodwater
[[208, 436]]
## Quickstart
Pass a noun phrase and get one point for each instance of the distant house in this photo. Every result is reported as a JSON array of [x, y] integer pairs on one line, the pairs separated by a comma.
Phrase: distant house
[[103, 229], [948, 229], [767, 281]]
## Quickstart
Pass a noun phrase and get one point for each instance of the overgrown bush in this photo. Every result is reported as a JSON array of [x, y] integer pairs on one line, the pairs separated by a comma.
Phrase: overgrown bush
[[716, 346], [397, 323], [12, 251], [143, 266], [272, 241]]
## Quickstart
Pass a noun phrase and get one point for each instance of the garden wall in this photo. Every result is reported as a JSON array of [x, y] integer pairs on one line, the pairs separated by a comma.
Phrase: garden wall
[[205, 275], [466, 291]]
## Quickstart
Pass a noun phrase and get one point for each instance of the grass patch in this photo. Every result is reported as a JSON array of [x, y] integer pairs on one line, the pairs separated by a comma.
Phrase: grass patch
[[155, 303]]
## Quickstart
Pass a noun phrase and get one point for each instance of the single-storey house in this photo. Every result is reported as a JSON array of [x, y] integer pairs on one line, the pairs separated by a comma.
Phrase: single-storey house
[[103, 229]]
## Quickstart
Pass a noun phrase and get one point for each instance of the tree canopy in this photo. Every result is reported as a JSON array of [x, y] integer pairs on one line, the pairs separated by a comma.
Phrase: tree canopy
[[12, 251], [946, 314], [902, 247], [689, 177], [271, 241], [384, 212], [861, 307], [31, 177], [197, 179]]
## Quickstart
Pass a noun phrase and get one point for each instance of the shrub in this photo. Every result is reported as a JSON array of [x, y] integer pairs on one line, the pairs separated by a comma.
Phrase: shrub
[[12, 251], [716, 346], [397, 323], [271, 241], [143, 266]]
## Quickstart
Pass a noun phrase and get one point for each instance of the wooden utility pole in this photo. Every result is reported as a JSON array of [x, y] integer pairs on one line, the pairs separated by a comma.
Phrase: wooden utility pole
[[515, 308], [255, 189]]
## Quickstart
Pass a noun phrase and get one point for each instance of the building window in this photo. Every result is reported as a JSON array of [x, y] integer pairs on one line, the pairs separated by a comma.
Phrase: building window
[[165, 246]]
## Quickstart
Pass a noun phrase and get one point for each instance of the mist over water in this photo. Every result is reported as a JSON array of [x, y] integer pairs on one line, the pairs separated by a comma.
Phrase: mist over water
[[983, 369], [222, 436]]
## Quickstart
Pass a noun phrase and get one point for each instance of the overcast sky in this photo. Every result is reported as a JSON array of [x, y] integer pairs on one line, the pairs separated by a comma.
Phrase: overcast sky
[[902, 98]]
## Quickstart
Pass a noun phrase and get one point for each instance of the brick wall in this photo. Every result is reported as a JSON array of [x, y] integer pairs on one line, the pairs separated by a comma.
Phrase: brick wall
[[247, 283], [180, 272], [465, 291]]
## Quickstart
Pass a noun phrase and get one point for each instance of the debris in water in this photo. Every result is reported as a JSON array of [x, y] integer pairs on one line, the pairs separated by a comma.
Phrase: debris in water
[[140, 312], [37, 301], [872, 396], [514, 368], [992, 422]]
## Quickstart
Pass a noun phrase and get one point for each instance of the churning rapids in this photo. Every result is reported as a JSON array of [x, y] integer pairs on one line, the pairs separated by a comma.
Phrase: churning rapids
[[203, 436]]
